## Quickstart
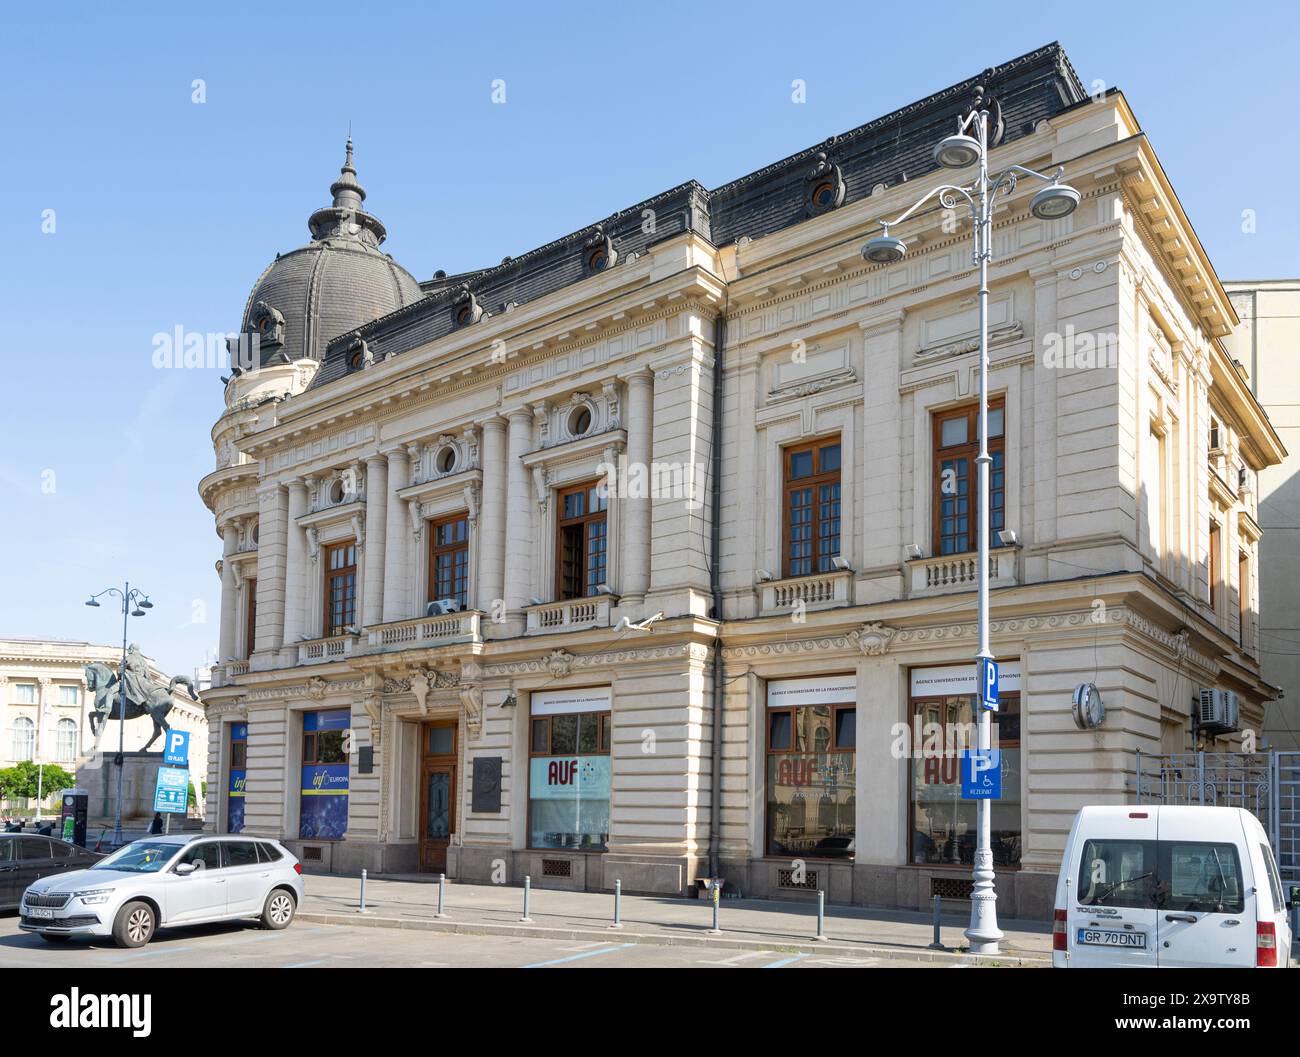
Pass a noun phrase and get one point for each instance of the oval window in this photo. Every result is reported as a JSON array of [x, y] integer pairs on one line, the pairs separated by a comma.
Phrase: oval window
[[579, 421], [445, 460]]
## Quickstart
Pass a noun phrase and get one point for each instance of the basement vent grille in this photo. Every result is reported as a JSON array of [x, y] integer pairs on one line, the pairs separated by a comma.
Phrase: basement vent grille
[[785, 879], [557, 868], [951, 887], [311, 854]]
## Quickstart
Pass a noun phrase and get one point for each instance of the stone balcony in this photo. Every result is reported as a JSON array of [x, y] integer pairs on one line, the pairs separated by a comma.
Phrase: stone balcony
[[572, 614], [960, 572], [820, 591], [224, 674], [322, 651], [444, 630]]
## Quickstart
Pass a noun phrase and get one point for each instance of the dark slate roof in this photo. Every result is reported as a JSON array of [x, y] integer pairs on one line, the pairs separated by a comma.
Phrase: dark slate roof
[[888, 150]]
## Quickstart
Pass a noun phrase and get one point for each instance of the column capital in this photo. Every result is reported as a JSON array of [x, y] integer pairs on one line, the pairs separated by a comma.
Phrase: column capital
[[497, 423]]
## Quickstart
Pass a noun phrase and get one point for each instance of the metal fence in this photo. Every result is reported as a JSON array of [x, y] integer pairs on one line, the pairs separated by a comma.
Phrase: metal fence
[[1267, 784]]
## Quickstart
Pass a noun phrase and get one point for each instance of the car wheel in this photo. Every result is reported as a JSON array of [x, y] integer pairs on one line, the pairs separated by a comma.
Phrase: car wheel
[[279, 910], [134, 926]]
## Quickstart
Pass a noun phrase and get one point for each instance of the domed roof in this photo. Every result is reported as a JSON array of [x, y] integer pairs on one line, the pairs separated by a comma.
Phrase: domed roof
[[335, 283]]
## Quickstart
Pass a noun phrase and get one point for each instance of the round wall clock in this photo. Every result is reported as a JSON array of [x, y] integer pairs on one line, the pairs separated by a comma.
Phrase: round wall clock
[[1089, 711]]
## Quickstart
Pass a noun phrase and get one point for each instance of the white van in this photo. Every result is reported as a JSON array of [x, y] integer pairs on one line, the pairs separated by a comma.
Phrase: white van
[[1169, 886]]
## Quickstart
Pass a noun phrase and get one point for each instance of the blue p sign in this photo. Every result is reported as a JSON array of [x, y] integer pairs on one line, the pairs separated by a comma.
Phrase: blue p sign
[[176, 750], [989, 683]]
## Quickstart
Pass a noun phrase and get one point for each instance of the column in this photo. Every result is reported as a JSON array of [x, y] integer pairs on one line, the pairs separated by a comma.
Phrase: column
[[521, 548], [372, 586], [492, 517], [397, 531], [636, 527], [229, 592], [272, 540], [295, 567]]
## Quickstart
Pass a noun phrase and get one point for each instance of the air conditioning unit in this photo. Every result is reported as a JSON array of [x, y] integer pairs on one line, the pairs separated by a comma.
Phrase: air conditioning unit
[[442, 607], [1217, 712]]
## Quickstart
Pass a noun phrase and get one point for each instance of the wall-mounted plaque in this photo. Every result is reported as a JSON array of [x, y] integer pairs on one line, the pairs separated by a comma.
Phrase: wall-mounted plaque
[[487, 784]]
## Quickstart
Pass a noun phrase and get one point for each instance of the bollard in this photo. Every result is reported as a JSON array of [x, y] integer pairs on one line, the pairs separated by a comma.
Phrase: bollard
[[618, 904], [362, 908], [715, 890], [528, 887], [442, 896], [821, 915], [936, 944]]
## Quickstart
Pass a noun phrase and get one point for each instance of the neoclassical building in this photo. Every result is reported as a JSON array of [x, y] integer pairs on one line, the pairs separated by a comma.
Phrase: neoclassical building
[[644, 554]]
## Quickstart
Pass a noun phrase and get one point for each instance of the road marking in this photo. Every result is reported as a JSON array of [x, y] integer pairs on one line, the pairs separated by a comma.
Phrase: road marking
[[159, 953], [584, 946], [575, 957], [742, 956], [785, 961], [304, 965]]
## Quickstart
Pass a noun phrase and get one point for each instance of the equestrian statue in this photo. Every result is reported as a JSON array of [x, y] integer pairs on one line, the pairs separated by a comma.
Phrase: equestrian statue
[[143, 696]]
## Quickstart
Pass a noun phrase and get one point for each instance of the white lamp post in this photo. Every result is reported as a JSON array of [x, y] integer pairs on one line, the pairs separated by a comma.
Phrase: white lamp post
[[969, 146]]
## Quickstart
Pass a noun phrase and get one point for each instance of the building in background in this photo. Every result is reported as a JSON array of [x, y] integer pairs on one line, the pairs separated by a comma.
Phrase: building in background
[[1267, 346], [475, 616], [45, 710]]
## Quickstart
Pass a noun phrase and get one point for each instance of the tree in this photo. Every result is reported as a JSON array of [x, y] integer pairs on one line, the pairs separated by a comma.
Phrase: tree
[[23, 780]]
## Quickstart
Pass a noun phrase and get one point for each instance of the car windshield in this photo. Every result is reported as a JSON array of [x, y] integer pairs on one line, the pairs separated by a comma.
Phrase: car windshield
[[142, 856]]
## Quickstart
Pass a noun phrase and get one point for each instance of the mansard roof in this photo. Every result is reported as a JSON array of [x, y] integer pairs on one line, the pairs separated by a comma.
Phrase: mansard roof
[[886, 151]]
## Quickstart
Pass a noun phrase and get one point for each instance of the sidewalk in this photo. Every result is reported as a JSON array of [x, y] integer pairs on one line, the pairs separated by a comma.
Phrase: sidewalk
[[753, 924]]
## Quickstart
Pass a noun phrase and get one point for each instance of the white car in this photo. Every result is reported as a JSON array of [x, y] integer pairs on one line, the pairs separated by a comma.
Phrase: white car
[[167, 880], [1164, 887]]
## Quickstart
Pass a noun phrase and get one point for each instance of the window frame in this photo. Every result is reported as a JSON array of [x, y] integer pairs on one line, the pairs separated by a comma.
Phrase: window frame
[[1216, 544], [250, 618], [328, 628], [832, 749], [604, 740], [813, 482], [969, 449], [585, 520], [435, 551]]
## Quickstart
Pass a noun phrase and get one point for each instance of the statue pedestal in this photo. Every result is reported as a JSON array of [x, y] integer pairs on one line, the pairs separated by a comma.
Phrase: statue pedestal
[[98, 777]]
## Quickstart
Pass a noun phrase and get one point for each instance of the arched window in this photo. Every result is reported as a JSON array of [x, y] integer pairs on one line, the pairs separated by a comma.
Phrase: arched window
[[66, 746], [24, 739]]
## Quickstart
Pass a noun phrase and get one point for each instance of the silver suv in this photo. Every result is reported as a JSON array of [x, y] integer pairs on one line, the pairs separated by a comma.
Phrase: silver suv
[[165, 880]]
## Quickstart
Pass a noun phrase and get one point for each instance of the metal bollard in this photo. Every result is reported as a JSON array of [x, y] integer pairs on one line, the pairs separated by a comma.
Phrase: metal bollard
[[936, 944], [361, 909], [528, 888], [821, 915], [442, 895], [618, 904]]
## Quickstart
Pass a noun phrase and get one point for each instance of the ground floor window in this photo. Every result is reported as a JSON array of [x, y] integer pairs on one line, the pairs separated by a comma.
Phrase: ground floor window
[[569, 769], [238, 777], [323, 809], [943, 712], [811, 741]]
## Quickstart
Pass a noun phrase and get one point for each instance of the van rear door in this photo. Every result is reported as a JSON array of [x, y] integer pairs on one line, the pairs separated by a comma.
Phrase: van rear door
[[1112, 909], [1206, 896]]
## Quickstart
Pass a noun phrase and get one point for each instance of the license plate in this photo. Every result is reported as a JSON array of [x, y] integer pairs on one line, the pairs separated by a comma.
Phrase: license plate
[[40, 912], [1108, 938]]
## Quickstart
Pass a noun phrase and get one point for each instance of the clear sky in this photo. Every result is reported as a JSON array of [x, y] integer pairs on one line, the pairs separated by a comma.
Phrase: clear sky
[[165, 210]]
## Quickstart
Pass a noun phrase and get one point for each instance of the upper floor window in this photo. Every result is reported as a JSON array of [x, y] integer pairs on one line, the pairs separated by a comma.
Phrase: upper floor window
[[811, 513], [449, 559], [66, 745], [1214, 434], [1243, 596], [340, 588], [24, 693], [1216, 545], [24, 739], [954, 474], [581, 545], [250, 619], [69, 695]]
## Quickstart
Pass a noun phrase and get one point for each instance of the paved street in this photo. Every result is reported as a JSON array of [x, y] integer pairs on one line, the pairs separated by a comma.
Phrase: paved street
[[307, 946]]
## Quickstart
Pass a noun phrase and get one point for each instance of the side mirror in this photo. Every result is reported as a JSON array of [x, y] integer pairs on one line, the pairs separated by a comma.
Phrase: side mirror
[[184, 869]]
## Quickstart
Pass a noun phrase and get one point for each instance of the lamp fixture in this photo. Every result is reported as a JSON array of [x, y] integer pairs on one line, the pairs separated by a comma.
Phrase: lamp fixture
[[1054, 201], [957, 151]]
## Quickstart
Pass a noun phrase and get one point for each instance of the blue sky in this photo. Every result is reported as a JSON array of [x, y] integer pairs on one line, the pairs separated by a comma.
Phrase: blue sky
[[166, 210]]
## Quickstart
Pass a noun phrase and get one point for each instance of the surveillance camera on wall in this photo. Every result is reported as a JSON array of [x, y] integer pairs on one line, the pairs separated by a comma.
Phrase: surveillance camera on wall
[[913, 551], [842, 564], [1008, 538], [763, 576]]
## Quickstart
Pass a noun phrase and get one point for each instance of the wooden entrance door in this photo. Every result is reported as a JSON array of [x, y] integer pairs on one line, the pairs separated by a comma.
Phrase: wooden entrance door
[[437, 794]]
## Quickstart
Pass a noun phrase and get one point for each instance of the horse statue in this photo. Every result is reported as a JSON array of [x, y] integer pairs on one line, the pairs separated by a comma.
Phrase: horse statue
[[141, 698]]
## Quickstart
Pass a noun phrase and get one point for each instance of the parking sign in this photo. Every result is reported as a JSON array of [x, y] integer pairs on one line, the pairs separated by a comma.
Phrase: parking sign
[[176, 749], [981, 774], [989, 683], [172, 791]]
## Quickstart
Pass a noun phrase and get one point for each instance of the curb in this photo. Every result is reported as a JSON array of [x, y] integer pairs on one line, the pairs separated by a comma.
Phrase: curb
[[483, 928]]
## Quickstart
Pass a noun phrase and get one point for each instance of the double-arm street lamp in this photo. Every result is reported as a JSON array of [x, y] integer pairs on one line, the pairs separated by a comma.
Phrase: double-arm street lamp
[[134, 604], [969, 146]]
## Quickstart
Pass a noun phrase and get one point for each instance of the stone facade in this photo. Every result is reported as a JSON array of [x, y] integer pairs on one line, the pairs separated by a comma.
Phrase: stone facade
[[1106, 348]]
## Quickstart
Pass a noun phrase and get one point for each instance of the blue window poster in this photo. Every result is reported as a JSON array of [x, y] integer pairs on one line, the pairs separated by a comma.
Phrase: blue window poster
[[238, 778], [323, 810]]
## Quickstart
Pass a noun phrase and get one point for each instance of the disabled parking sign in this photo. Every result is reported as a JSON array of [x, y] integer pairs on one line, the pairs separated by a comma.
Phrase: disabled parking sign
[[981, 774]]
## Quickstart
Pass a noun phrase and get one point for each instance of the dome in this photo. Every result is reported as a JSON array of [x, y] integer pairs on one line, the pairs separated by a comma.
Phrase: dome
[[335, 283]]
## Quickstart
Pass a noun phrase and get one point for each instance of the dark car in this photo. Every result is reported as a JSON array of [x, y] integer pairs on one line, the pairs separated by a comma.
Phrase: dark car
[[27, 857]]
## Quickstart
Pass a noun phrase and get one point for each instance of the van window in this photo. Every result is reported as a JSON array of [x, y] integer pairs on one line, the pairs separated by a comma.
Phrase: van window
[[240, 852], [1203, 877], [206, 855], [1274, 881], [1118, 873], [268, 852]]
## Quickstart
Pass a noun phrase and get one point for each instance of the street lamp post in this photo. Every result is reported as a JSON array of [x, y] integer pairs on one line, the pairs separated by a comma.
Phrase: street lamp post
[[130, 597], [969, 146]]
